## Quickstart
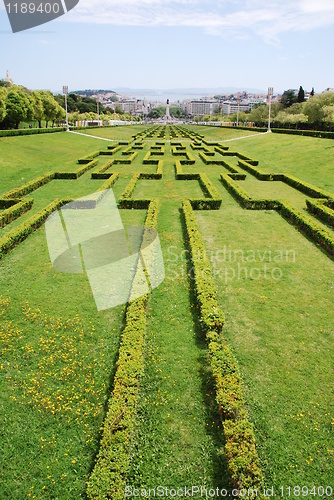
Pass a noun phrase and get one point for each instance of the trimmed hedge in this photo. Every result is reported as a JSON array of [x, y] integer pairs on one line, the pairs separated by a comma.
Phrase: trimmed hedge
[[101, 173], [109, 182], [311, 133], [77, 173], [127, 193], [320, 210], [308, 226], [153, 175], [88, 158], [259, 174], [29, 187], [21, 232], [242, 459], [31, 131], [214, 200], [108, 478], [244, 199], [305, 187], [126, 161], [10, 214]]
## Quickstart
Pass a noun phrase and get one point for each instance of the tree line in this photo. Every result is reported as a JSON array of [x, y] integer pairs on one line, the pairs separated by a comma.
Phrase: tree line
[[19, 104]]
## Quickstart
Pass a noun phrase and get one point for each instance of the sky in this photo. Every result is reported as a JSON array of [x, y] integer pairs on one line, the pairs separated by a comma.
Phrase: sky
[[105, 44]]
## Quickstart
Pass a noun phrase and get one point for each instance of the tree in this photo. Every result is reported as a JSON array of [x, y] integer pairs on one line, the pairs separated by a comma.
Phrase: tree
[[329, 115], [289, 98], [3, 95], [301, 95], [50, 106], [259, 114], [38, 109], [314, 108], [18, 108]]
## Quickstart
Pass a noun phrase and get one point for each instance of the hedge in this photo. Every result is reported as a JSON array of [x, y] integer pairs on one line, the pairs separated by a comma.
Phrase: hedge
[[244, 199], [29, 187], [305, 187], [126, 161], [31, 131], [259, 174], [320, 210], [312, 133], [209, 161], [88, 158], [154, 175], [127, 193], [214, 200], [101, 173], [21, 232], [10, 214], [308, 226], [242, 459], [77, 173], [109, 182], [108, 478]]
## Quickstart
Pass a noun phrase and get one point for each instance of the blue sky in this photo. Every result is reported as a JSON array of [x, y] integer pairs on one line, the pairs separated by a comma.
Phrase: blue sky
[[168, 44]]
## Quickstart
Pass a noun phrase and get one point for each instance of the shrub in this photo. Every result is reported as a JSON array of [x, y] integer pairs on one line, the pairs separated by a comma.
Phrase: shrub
[[88, 158], [10, 214], [29, 187], [320, 210]]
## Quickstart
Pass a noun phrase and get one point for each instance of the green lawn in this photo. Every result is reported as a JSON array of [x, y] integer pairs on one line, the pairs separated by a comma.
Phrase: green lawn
[[58, 353]]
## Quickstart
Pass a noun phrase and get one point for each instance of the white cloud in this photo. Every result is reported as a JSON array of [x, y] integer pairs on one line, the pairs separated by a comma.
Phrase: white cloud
[[266, 18]]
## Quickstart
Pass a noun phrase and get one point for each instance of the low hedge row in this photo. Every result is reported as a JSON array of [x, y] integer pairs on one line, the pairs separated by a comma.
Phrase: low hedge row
[[21, 232], [108, 478], [31, 131], [10, 214], [89, 158], [305, 187], [101, 173], [302, 221], [308, 226], [29, 187], [210, 161], [109, 182], [320, 210], [244, 199], [242, 458], [77, 173], [310, 133], [214, 200], [127, 193], [154, 175], [114, 148], [126, 161], [259, 174]]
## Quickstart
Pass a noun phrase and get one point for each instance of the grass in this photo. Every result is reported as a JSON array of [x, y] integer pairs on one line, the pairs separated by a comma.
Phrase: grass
[[58, 357], [280, 327]]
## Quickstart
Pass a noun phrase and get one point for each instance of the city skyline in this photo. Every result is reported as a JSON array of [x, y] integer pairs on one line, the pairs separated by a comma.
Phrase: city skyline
[[162, 44]]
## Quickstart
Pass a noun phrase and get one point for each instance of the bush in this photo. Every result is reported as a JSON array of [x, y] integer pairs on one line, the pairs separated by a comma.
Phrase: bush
[[21, 232], [88, 158], [77, 173], [31, 131], [108, 477], [10, 214], [320, 210], [29, 187]]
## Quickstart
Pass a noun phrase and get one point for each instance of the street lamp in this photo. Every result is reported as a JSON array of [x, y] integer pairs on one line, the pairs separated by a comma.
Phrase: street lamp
[[270, 94], [65, 92]]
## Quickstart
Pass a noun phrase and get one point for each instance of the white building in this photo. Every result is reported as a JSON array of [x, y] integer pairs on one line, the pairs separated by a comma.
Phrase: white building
[[200, 107]]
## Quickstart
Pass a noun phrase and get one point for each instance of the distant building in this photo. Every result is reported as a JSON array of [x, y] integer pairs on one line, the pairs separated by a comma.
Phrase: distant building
[[8, 78], [200, 107], [128, 105]]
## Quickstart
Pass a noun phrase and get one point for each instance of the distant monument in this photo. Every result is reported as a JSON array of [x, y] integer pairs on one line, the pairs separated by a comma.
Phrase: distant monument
[[167, 117], [8, 78]]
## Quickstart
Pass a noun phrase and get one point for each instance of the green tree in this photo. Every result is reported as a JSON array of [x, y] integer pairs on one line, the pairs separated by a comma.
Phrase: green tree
[[38, 109], [50, 106], [301, 95], [314, 108], [3, 95], [289, 98], [329, 115], [18, 108]]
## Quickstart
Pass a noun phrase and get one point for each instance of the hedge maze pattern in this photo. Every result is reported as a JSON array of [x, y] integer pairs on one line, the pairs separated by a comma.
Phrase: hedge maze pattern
[[108, 477]]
